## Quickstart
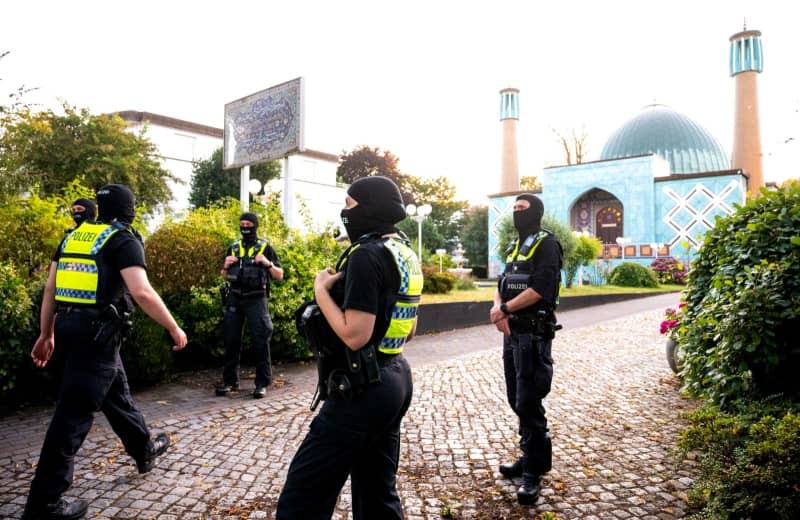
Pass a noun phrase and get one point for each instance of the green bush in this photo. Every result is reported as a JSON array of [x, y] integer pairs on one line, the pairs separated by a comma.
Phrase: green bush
[[631, 274], [436, 282], [587, 250], [749, 460], [147, 355], [16, 323], [743, 303]]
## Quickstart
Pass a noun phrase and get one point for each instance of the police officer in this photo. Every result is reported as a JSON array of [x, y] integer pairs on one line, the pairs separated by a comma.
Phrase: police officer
[[95, 271], [249, 265], [370, 302], [523, 311], [83, 210]]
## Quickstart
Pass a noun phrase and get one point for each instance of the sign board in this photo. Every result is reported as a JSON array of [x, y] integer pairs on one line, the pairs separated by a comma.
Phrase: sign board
[[264, 126]]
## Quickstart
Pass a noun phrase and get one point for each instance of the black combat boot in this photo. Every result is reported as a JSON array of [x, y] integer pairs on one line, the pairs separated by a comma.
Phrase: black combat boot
[[528, 492], [160, 445], [58, 510], [514, 469]]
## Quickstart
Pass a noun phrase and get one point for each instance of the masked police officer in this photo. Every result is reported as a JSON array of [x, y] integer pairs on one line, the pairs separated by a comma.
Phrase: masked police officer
[[86, 302], [370, 302], [83, 210], [523, 311], [249, 265]]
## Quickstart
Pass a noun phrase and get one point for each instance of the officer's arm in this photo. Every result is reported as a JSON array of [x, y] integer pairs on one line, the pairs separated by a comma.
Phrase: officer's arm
[[523, 300], [275, 272], [353, 327], [135, 278], [43, 348]]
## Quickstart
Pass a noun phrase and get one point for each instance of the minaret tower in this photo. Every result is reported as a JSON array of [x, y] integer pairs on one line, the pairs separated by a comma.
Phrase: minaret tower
[[746, 62], [509, 115]]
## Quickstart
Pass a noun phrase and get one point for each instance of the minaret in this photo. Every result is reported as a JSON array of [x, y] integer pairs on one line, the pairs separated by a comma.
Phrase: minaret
[[509, 115], [746, 62]]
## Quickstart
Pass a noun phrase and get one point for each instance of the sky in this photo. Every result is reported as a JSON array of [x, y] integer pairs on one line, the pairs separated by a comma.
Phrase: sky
[[418, 78]]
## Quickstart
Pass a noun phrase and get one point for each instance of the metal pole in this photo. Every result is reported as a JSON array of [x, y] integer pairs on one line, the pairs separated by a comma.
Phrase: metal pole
[[419, 237], [244, 194]]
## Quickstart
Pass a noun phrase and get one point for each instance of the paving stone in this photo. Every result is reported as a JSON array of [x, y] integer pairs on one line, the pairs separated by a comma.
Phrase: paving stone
[[615, 413]]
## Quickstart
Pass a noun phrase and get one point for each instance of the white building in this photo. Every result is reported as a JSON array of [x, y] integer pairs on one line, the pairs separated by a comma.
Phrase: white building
[[311, 179]]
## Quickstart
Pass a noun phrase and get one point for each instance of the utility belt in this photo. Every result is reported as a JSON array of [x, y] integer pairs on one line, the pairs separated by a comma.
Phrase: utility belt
[[542, 324], [110, 326], [341, 372]]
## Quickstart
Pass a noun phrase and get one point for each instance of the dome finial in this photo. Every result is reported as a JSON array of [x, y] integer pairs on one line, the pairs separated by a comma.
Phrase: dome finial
[[744, 24]]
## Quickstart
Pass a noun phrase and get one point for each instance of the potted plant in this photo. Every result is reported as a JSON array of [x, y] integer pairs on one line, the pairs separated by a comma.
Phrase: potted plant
[[669, 327]]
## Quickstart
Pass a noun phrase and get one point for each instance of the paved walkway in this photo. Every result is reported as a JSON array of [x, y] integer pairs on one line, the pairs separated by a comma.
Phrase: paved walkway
[[615, 413]]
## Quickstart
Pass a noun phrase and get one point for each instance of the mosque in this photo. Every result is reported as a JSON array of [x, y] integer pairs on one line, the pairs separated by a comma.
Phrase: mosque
[[661, 178]]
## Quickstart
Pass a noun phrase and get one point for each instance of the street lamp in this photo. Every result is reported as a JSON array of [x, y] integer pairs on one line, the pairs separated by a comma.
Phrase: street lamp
[[441, 253], [419, 214], [656, 246]]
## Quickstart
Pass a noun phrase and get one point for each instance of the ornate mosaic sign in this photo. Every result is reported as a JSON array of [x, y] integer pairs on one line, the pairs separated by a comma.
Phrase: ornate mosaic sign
[[264, 126]]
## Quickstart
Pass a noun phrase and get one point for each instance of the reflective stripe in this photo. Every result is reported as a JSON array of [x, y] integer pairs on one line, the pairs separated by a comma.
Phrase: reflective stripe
[[406, 308], [538, 238], [77, 271], [262, 247]]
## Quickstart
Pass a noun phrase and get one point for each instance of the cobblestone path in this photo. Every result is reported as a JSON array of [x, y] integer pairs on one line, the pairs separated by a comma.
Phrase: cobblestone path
[[615, 413]]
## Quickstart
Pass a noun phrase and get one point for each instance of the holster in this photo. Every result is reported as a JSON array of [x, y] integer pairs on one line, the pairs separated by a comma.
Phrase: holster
[[111, 326]]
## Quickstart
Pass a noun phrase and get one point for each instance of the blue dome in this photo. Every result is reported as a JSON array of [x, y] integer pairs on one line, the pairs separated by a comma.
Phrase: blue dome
[[687, 146]]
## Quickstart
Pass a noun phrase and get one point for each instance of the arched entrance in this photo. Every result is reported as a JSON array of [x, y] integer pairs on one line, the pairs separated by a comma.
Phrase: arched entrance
[[598, 213], [608, 224]]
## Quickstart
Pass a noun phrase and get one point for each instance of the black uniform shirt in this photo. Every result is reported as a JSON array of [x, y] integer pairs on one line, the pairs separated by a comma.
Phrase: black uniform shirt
[[371, 279]]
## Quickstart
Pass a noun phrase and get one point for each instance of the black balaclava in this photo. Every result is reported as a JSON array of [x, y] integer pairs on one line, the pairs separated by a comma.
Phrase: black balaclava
[[249, 234], [89, 213], [529, 221], [116, 201], [380, 207]]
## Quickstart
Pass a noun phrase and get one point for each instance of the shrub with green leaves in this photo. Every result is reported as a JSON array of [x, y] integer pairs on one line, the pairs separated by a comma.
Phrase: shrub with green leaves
[[743, 303], [147, 355], [436, 282], [16, 323], [631, 274], [749, 460]]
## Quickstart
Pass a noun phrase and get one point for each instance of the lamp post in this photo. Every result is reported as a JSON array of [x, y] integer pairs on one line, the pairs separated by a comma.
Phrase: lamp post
[[623, 241], [441, 253], [419, 214], [656, 246]]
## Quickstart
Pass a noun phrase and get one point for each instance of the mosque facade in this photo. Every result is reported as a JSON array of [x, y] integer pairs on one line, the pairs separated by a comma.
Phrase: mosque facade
[[661, 179]]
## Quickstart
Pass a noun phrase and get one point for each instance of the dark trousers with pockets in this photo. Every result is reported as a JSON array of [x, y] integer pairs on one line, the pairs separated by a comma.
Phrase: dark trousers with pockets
[[93, 380], [259, 323], [528, 367], [359, 437]]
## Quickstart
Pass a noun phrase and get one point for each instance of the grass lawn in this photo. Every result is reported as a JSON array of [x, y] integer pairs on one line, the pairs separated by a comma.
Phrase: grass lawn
[[486, 293]]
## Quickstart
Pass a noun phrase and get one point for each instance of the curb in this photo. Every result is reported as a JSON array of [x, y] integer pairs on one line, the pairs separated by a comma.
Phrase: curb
[[440, 317]]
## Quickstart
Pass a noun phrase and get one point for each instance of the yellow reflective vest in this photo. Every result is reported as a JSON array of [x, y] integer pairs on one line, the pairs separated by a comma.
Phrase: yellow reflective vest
[[80, 270], [406, 301]]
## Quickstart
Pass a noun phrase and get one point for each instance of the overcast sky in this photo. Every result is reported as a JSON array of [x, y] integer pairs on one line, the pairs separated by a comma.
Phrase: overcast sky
[[418, 78]]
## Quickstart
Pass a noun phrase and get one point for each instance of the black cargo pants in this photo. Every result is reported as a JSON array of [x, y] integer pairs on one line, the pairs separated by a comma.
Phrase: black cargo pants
[[528, 367], [255, 312], [93, 380], [359, 437]]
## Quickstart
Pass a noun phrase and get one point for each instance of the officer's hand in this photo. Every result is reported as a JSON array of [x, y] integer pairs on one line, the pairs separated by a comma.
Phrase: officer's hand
[[502, 326], [42, 350], [229, 261], [261, 259], [179, 337], [495, 314], [326, 278]]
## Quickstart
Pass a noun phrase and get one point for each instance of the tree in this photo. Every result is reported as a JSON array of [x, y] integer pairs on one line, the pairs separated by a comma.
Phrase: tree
[[446, 211], [530, 183], [47, 150], [211, 183], [575, 145], [474, 236], [365, 162]]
